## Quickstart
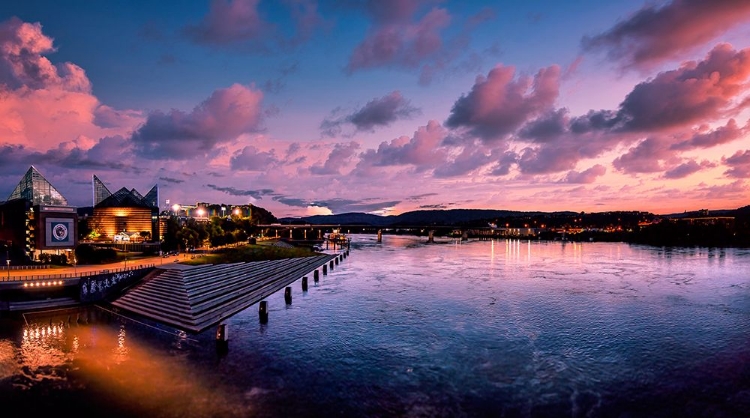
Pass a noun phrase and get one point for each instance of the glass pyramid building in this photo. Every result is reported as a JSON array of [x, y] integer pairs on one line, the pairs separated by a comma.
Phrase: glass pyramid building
[[123, 197], [37, 190], [101, 191]]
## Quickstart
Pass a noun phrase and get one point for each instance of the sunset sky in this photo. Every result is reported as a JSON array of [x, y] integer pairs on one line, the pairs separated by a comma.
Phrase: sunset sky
[[316, 107]]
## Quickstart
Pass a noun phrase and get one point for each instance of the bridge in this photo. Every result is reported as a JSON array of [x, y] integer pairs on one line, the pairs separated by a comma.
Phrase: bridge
[[318, 231]]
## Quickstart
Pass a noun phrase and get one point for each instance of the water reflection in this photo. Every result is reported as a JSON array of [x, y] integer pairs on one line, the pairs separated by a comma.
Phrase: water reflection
[[94, 353], [404, 328]]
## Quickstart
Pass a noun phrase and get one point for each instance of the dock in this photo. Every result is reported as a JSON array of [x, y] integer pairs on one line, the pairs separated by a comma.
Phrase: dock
[[194, 298]]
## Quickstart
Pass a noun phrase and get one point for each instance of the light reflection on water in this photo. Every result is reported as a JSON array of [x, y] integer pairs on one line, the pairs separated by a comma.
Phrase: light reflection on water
[[482, 328]]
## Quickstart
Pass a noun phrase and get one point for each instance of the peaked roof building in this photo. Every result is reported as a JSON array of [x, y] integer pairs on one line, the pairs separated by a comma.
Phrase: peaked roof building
[[34, 188], [103, 198], [124, 211]]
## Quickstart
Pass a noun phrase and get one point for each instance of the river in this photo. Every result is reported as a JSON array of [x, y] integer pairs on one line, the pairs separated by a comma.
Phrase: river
[[403, 328]]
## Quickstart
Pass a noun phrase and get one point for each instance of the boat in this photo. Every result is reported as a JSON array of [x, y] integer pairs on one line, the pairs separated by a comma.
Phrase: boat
[[337, 237]]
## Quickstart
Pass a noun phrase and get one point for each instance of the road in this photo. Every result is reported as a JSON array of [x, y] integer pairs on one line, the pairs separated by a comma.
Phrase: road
[[12, 275]]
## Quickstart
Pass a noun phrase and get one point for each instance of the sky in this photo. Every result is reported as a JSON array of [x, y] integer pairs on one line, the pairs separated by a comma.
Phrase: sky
[[308, 107]]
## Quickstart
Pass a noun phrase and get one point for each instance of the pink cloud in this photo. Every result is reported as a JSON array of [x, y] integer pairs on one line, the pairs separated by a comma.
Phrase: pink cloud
[[392, 11], [696, 92], [239, 23], [44, 104], [108, 117], [707, 139], [656, 34], [500, 103], [586, 176], [420, 151], [228, 21], [381, 111], [251, 158], [736, 192], [646, 157], [395, 42], [548, 159], [687, 168], [739, 164], [339, 158], [221, 118], [472, 156], [23, 64]]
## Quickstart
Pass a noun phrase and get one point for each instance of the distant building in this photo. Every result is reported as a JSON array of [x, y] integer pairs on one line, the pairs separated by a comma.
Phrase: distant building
[[36, 219], [124, 212]]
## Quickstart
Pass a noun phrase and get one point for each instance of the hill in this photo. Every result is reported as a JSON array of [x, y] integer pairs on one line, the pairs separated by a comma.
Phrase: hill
[[421, 217]]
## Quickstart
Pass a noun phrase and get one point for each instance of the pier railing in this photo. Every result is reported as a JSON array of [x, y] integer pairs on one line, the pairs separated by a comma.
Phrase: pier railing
[[73, 275]]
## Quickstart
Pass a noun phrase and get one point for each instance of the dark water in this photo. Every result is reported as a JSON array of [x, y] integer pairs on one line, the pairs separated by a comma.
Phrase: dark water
[[479, 329]]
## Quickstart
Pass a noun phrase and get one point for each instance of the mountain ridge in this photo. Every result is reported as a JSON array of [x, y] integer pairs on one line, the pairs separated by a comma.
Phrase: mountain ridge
[[475, 216]]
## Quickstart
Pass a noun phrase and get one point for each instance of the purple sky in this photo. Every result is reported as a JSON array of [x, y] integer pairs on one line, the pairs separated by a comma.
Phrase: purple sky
[[316, 107]]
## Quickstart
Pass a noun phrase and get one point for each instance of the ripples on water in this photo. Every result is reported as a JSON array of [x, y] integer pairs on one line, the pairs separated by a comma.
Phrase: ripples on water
[[483, 328]]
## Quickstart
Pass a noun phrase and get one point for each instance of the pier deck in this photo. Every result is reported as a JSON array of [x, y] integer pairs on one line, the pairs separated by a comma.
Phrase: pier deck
[[193, 299]]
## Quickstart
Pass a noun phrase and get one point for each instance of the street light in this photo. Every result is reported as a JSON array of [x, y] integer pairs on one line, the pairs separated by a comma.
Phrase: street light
[[8, 263], [223, 209]]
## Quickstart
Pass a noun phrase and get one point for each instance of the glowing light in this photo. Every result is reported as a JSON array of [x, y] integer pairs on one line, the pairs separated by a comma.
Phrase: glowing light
[[175, 208]]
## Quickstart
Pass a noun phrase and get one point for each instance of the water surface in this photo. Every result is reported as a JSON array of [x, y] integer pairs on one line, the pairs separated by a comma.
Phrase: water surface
[[404, 328]]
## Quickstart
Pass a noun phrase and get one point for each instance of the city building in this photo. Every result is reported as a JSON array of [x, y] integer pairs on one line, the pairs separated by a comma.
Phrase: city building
[[203, 211], [124, 213], [36, 220]]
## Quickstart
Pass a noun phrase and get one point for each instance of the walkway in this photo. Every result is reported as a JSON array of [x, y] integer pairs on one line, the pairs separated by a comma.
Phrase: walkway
[[195, 298]]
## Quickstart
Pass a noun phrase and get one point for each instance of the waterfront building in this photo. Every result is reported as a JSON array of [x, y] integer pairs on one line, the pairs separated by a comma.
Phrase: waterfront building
[[124, 212], [36, 220]]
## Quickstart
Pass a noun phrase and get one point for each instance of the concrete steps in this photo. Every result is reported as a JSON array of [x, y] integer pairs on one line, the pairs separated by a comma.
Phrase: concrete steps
[[197, 298]]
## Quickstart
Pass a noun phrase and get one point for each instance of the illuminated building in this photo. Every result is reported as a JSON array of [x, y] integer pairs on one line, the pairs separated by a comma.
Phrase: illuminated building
[[36, 218], [124, 211]]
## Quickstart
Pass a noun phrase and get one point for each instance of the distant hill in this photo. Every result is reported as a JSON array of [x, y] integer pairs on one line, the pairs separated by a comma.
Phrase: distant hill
[[700, 213], [419, 217]]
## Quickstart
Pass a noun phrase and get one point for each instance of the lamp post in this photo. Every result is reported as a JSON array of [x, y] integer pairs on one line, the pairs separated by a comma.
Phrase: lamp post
[[8, 266], [223, 210]]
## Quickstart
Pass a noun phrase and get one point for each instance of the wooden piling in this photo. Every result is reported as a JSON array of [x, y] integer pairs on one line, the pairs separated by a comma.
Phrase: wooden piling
[[304, 284], [222, 333], [288, 295], [263, 311]]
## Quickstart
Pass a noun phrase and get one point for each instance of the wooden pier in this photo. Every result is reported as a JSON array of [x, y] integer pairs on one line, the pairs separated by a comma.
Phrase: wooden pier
[[194, 299]]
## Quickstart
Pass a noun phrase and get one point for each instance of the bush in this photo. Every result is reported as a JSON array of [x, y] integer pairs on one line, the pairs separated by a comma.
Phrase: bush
[[86, 254], [59, 260]]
